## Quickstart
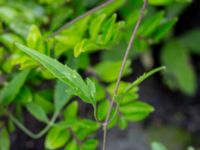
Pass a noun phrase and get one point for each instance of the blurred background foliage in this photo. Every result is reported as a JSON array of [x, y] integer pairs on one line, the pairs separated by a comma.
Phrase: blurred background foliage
[[94, 46], [31, 22]]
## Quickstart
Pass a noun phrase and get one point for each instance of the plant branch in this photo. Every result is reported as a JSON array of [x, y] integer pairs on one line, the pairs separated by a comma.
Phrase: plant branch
[[27, 131], [136, 83], [78, 141], [121, 72], [80, 17]]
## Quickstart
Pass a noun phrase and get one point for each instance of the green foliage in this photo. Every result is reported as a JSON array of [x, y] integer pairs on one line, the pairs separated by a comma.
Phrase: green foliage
[[190, 41], [103, 34], [102, 109], [60, 95], [158, 146], [37, 112], [164, 29], [4, 140], [167, 2], [180, 74], [72, 145], [150, 25], [135, 111], [34, 38], [56, 77], [103, 70], [90, 144], [10, 91], [24, 96], [85, 128], [130, 109], [64, 73], [56, 138], [71, 111], [46, 105]]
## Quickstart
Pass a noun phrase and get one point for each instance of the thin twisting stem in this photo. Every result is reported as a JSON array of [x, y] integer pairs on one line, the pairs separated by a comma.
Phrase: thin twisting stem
[[81, 17], [27, 131], [121, 72]]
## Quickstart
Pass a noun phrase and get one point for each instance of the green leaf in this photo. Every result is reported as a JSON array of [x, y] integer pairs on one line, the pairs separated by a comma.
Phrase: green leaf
[[2, 53], [102, 109], [140, 45], [103, 35], [62, 72], [123, 123], [4, 140], [115, 119], [8, 13], [65, 42], [61, 15], [124, 96], [34, 38], [122, 86], [24, 96], [108, 70], [151, 24], [91, 87], [21, 28], [22, 60], [163, 29], [111, 8], [8, 38], [56, 138], [190, 40], [46, 105], [183, 1], [61, 97], [37, 112], [70, 112], [95, 26], [136, 111], [72, 36], [101, 94], [90, 145], [180, 73], [81, 62], [109, 29], [84, 46], [72, 146], [85, 127], [160, 2], [158, 146], [167, 2], [11, 90]]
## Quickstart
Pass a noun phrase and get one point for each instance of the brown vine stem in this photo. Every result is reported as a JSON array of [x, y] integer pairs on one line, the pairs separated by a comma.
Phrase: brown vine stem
[[81, 17], [105, 124]]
